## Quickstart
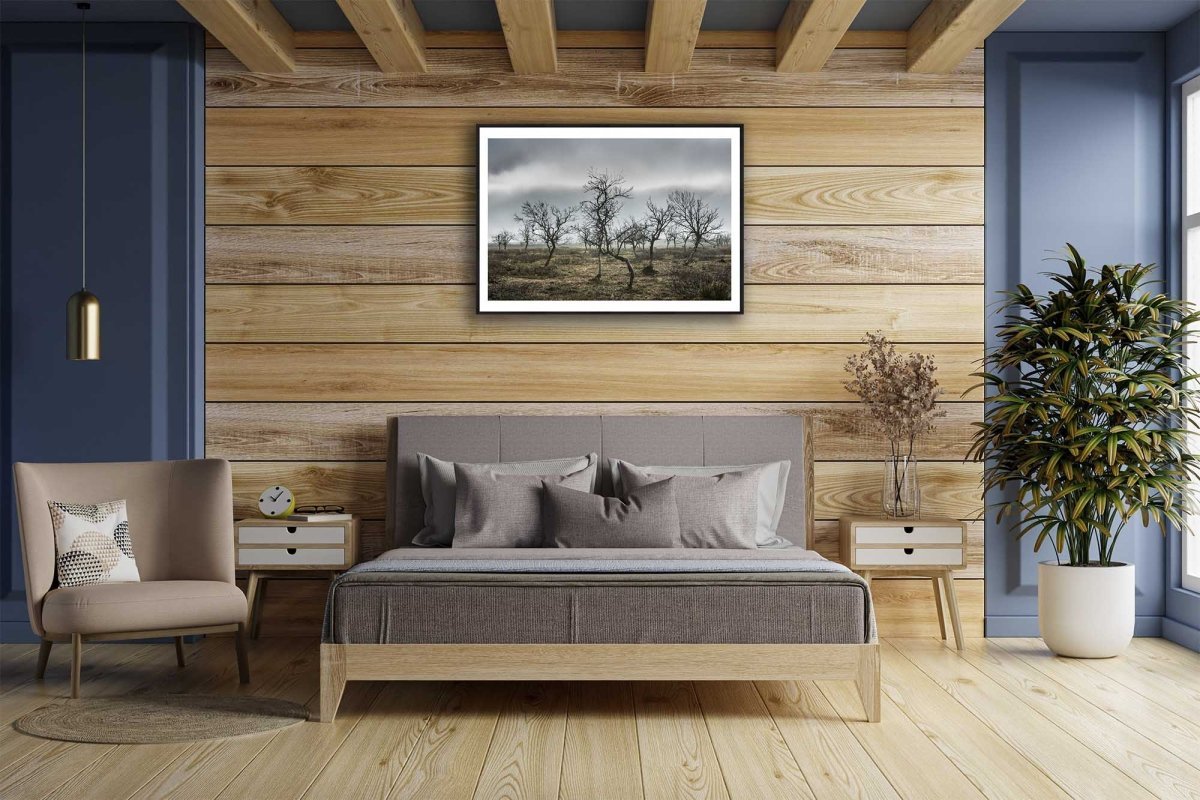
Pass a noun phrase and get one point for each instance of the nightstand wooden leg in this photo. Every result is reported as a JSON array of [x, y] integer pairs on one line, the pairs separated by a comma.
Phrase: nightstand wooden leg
[[866, 576], [952, 602], [937, 600], [252, 591]]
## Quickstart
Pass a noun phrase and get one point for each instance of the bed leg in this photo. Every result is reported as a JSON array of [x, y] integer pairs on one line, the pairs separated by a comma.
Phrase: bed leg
[[333, 680], [868, 682]]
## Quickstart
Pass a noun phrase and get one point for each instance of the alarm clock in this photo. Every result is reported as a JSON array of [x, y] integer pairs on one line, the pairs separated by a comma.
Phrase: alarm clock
[[276, 502]]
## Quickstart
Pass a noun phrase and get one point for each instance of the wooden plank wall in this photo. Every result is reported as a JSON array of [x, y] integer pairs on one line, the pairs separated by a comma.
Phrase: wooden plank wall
[[340, 263]]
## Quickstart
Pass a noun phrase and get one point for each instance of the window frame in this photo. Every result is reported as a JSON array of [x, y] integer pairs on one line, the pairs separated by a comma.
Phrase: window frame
[[1190, 225]]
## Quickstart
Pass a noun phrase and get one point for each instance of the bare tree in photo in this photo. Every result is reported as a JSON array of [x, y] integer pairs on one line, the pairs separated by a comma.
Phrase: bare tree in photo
[[502, 239], [526, 231], [607, 193], [625, 234], [656, 222], [549, 223], [698, 220], [583, 232]]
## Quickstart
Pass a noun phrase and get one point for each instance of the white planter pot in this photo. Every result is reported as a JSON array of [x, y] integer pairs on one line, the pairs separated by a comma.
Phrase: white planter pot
[[1086, 612]]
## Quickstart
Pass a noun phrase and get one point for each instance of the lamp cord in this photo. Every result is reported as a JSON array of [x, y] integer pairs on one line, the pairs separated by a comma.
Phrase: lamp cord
[[83, 139]]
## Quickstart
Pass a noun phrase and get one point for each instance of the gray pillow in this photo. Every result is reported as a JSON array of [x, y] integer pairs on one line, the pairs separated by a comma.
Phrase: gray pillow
[[772, 492], [438, 489], [719, 511], [497, 510], [647, 517]]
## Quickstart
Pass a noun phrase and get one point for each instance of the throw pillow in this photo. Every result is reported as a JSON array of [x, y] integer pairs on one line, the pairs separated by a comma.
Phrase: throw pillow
[[494, 509], [719, 511], [92, 543], [647, 517], [772, 491], [438, 489]]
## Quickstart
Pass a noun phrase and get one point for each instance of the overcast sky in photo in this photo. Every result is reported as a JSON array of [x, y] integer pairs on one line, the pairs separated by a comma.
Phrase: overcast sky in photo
[[555, 170]]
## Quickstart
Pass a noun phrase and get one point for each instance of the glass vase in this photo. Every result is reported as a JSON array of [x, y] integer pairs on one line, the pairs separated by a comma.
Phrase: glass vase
[[901, 489]]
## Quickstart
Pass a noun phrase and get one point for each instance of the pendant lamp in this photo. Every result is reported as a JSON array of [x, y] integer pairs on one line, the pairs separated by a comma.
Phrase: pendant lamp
[[83, 307]]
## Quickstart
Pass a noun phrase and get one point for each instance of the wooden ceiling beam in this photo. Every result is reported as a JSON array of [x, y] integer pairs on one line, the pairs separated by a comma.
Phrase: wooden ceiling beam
[[253, 30], [809, 32], [530, 35], [948, 30], [672, 27], [392, 31]]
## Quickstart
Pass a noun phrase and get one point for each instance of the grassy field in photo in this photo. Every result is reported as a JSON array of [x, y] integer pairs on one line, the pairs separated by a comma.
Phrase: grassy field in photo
[[571, 275]]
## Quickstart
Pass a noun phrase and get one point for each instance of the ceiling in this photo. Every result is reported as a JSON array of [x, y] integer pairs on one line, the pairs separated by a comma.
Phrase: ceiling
[[1034, 15]]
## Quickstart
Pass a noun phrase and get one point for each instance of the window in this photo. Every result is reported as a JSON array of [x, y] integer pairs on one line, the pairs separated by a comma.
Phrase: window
[[1191, 282]]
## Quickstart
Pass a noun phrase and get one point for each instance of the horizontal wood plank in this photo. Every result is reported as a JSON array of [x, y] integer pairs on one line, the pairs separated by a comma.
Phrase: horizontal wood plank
[[552, 372], [595, 78], [446, 195], [285, 431], [365, 254], [840, 487], [446, 136], [860, 195], [349, 40], [948, 489], [870, 254], [447, 314], [357, 254]]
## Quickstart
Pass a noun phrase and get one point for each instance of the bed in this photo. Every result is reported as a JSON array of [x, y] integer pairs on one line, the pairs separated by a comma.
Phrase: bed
[[599, 614]]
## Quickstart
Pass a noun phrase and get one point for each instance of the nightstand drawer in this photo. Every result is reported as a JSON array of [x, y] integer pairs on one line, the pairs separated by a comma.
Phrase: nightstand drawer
[[291, 556], [289, 535], [908, 535], [908, 556]]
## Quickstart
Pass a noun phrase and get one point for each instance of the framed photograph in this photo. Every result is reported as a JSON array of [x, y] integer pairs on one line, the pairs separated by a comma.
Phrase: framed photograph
[[610, 218]]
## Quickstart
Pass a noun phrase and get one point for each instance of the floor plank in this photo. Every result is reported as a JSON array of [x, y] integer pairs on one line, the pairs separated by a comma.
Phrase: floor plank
[[601, 742], [368, 763], [834, 763], [1004, 719], [450, 753], [678, 759], [1068, 762], [919, 768], [753, 756]]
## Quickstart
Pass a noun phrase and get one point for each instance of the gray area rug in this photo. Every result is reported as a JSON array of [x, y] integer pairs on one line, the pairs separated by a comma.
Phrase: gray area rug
[[155, 719]]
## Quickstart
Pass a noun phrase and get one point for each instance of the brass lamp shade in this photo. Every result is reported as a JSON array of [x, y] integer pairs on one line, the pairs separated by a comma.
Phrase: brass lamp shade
[[83, 326]]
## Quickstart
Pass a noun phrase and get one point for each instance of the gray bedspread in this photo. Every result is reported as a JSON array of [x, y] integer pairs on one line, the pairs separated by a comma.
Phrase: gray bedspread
[[547, 595]]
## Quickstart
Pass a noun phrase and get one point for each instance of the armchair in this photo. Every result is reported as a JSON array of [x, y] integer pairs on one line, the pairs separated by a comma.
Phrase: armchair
[[181, 524]]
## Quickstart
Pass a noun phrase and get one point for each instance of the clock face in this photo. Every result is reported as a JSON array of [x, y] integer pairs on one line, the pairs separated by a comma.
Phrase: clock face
[[276, 501]]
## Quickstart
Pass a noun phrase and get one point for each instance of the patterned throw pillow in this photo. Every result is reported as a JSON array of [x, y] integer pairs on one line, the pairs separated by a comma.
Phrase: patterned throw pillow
[[92, 543]]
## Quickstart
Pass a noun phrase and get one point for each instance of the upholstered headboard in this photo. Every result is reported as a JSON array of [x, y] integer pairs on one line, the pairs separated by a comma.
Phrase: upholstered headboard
[[661, 440]]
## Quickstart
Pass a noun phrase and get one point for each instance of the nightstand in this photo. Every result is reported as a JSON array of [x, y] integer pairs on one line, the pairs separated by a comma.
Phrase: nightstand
[[279, 548], [931, 548]]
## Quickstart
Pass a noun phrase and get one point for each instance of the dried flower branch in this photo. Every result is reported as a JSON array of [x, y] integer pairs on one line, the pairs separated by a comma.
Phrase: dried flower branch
[[899, 393]]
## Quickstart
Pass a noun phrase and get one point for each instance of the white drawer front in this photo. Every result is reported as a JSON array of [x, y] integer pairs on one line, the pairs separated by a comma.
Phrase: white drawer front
[[283, 556], [907, 535], [896, 556], [291, 534]]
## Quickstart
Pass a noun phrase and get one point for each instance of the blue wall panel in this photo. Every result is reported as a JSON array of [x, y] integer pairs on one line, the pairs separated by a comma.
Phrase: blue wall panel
[[1074, 153], [143, 399]]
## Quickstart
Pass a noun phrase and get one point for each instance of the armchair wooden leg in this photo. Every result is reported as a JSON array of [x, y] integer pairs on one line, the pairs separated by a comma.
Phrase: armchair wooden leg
[[243, 661], [179, 659], [43, 657], [76, 663]]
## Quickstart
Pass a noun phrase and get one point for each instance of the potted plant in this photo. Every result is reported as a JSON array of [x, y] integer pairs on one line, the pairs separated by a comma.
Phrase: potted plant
[[1087, 424], [899, 396]]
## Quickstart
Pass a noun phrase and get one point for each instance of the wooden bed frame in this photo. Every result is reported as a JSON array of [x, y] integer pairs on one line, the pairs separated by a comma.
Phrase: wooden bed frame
[[598, 662]]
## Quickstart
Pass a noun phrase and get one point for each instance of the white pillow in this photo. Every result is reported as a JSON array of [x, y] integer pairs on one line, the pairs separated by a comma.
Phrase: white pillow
[[92, 543], [772, 491]]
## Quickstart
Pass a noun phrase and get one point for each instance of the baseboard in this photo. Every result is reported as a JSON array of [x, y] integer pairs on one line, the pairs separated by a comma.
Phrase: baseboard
[[1181, 633], [1027, 627]]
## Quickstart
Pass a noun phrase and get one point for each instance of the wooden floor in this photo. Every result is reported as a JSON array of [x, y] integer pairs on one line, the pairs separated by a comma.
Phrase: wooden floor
[[1004, 719]]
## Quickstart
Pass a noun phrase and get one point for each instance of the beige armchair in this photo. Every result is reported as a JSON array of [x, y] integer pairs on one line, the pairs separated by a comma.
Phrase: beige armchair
[[181, 524]]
